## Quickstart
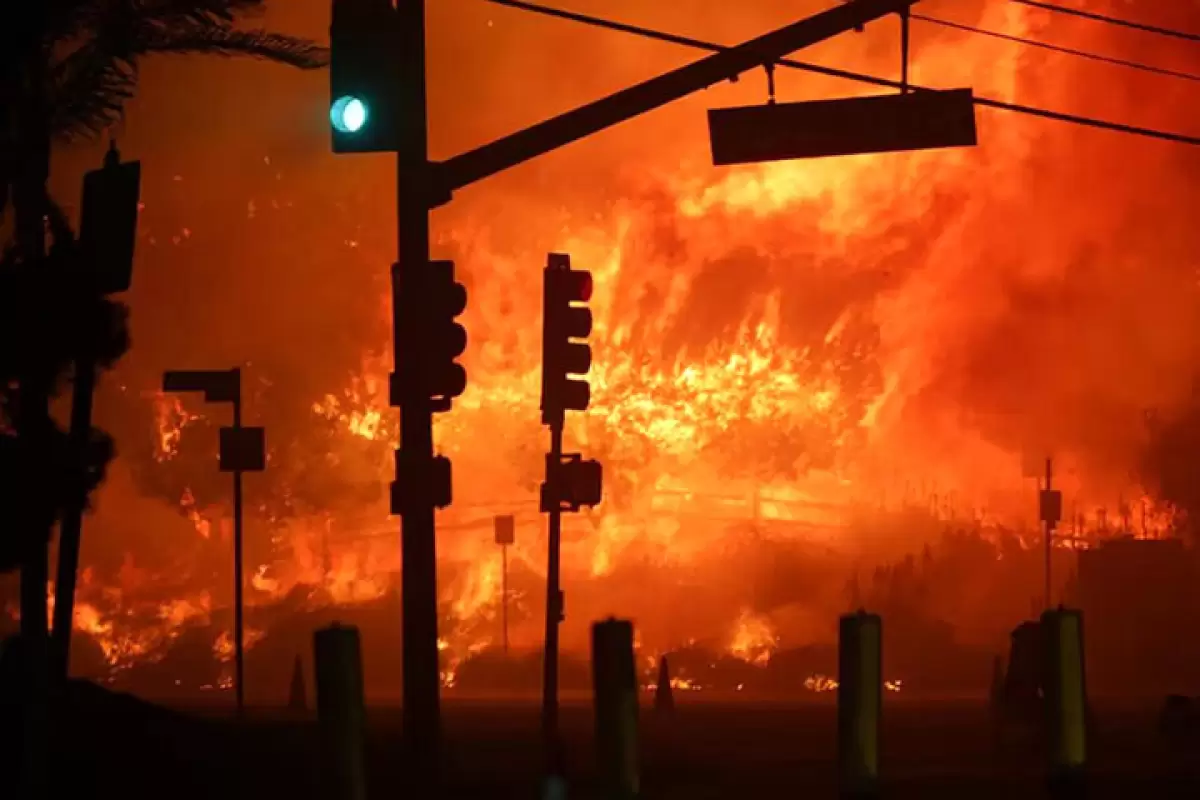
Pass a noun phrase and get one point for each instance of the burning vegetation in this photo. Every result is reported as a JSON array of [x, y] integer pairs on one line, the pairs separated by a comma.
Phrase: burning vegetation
[[815, 384]]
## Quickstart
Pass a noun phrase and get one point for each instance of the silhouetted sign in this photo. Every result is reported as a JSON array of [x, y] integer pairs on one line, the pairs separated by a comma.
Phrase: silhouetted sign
[[505, 530], [243, 450], [1050, 506], [218, 386], [108, 222], [881, 124]]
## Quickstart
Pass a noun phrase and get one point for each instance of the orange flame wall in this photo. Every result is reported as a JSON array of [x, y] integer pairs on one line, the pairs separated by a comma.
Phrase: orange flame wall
[[779, 344]]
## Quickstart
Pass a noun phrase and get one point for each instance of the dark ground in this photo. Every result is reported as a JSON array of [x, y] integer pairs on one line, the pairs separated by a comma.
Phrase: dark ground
[[707, 749]]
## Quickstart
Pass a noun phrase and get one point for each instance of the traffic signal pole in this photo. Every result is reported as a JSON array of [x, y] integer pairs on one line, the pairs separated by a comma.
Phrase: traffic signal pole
[[566, 358], [571, 126], [418, 573], [554, 601], [422, 483]]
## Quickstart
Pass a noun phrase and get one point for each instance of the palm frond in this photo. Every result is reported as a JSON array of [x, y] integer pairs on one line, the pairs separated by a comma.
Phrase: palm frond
[[89, 90], [101, 41], [224, 40], [62, 235], [67, 20], [203, 11]]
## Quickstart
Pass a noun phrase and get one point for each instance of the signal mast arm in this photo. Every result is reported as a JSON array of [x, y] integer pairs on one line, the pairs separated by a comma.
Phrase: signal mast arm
[[516, 148]]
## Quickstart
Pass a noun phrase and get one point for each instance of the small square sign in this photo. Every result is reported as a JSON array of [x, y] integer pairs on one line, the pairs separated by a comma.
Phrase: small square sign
[[243, 450], [505, 530]]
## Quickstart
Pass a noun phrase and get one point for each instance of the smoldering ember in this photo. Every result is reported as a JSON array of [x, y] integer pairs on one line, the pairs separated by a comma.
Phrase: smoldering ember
[[951, 386]]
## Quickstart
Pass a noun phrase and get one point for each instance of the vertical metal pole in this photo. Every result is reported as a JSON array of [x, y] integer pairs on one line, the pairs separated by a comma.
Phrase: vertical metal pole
[[504, 591], [1048, 526], [239, 638], [904, 50], [72, 524], [422, 725], [554, 610]]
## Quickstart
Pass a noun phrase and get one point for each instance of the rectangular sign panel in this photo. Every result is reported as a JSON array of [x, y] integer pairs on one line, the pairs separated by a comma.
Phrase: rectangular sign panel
[[851, 126], [243, 450], [218, 386], [505, 530]]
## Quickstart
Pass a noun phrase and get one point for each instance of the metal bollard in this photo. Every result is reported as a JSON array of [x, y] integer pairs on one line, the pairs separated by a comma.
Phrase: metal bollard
[[614, 683], [1065, 689], [664, 698], [860, 700], [341, 716]]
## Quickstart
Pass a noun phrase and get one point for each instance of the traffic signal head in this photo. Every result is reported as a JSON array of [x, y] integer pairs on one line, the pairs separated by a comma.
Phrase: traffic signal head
[[429, 301], [349, 114], [584, 483], [362, 76], [565, 319], [108, 221], [571, 483], [447, 340]]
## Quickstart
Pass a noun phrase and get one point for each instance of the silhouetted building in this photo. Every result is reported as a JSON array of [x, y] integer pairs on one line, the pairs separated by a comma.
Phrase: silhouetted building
[[1141, 604]]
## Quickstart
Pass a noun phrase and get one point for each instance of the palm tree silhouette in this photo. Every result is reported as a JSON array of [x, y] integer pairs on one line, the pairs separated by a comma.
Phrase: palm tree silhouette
[[67, 69]]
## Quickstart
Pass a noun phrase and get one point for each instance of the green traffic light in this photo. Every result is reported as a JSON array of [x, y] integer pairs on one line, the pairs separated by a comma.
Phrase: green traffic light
[[349, 114]]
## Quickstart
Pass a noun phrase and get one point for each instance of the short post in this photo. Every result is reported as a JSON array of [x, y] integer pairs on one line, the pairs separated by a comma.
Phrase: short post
[[664, 698], [860, 700], [505, 535], [1065, 688], [614, 684], [298, 693], [341, 716]]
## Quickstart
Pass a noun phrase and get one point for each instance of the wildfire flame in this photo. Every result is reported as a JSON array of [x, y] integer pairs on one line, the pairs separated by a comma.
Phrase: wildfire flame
[[768, 346], [754, 640]]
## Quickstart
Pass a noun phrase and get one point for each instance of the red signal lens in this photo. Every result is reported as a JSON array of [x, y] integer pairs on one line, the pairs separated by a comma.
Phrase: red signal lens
[[583, 287]]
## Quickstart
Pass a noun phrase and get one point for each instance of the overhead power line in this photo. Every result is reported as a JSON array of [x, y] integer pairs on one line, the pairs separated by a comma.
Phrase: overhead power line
[[1070, 51], [1124, 23], [699, 44]]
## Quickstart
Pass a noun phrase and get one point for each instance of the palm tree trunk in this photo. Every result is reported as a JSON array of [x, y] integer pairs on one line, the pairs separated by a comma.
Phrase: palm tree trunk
[[35, 429]]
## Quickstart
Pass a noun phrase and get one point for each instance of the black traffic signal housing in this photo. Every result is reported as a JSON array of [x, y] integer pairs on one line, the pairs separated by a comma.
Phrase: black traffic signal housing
[[108, 220], [420, 482], [565, 321], [572, 483], [362, 76], [430, 303]]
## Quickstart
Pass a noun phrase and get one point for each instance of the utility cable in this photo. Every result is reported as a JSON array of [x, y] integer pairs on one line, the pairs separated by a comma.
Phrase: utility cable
[[1120, 62], [1124, 23], [699, 44]]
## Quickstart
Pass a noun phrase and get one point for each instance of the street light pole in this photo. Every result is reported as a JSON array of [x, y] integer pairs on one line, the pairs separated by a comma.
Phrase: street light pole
[[239, 639], [241, 450]]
